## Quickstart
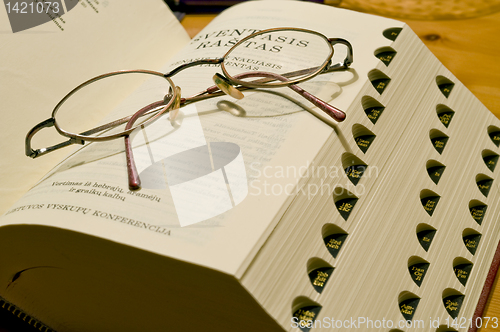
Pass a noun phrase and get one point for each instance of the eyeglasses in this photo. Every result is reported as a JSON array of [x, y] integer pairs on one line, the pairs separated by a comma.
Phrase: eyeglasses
[[271, 58]]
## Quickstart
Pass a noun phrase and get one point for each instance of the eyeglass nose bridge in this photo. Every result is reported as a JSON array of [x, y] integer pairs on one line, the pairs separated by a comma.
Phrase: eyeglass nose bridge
[[225, 86], [192, 64], [30, 152]]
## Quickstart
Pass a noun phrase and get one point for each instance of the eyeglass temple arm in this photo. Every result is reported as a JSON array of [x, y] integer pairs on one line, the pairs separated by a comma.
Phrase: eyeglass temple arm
[[348, 59], [192, 64], [134, 182], [30, 152], [214, 91], [332, 111]]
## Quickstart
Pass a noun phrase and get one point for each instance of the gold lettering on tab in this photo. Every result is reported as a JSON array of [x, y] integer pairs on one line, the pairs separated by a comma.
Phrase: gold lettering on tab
[[445, 118], [439, 144], [305, 317], [320, 279], [407, 309], [430, 205], [451, 305], [470, 244], [345, 207], [386, 58], [418, 273], [362, 142], [461, 274], [477, 214], [374, 113], [334, 244], [354, 173]]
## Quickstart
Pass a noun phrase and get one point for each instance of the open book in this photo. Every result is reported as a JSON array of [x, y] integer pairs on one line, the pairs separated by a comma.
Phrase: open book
[[385, 221]]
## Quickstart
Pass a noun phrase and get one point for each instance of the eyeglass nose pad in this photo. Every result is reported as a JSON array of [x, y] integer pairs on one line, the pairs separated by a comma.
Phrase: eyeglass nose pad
[[226, 87], [176, 105]]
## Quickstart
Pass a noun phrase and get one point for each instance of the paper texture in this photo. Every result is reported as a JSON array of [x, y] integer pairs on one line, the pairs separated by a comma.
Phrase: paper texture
[[277, 132], [40, 65]]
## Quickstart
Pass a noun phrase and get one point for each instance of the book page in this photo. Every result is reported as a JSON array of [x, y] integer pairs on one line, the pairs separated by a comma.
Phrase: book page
[[237, 163], [39, 65]]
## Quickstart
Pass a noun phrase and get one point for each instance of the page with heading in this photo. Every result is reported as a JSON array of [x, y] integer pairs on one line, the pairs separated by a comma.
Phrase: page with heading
[[48, 51], [217, 178]]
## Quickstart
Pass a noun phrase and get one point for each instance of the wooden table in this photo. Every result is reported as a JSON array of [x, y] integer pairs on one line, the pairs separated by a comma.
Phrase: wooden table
[[470, 49]]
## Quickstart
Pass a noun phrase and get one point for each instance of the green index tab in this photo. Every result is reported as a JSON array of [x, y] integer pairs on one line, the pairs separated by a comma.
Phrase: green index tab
[[425, 238], [491, 161], [373, 113], [484, 186], [306, 316], [355, 172], [392, 33], [495, 137], [334, 243], [439, 143], [408, 307], [445, 85], [446, 88], [430, 203], [453, 303], [319, 277], [417, 272], [386, 57], [345, 206], [471, 242], [380, 84], [445, 117], [462, 271], [364, 142], [435, 173], [478, 212]]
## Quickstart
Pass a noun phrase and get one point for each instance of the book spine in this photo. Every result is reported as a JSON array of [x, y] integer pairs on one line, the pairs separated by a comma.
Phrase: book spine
[[16, 311], [488, 285]]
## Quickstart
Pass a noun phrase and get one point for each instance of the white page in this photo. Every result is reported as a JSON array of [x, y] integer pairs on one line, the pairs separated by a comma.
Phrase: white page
[[291, 139], [40, 65]]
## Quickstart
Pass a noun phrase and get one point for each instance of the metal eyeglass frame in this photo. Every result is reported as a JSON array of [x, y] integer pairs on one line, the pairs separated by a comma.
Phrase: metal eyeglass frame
[[227, 84]]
